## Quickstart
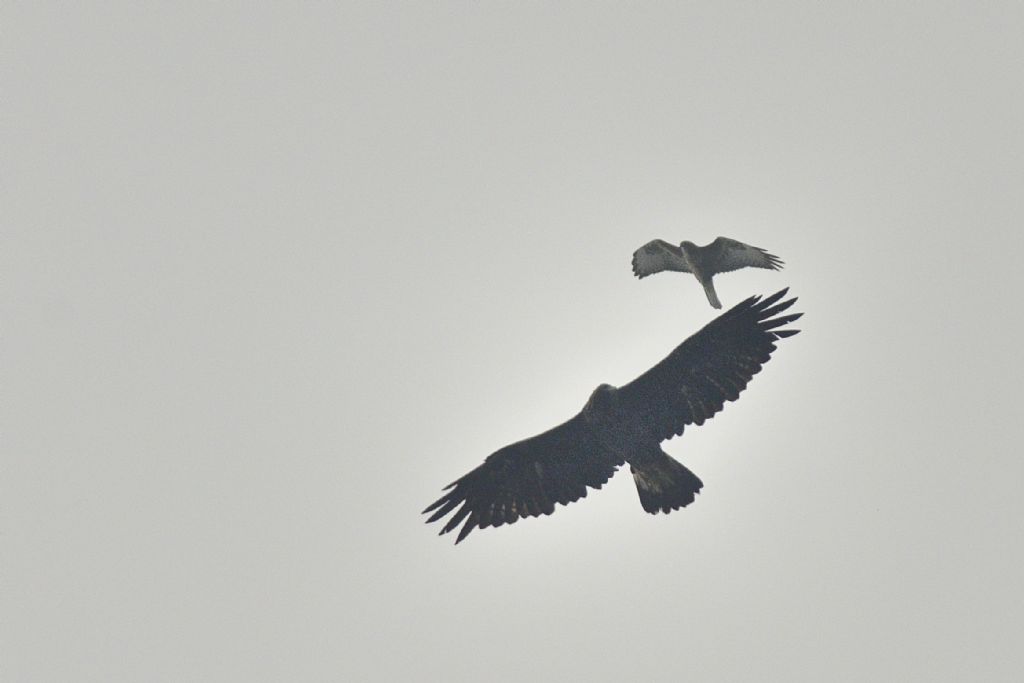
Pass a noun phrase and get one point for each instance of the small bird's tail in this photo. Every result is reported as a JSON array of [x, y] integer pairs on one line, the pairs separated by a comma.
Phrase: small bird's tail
[[709, 289], [664, 484]]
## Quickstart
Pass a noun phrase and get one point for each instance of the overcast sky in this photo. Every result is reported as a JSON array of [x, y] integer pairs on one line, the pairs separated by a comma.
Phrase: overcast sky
[[274, 275]]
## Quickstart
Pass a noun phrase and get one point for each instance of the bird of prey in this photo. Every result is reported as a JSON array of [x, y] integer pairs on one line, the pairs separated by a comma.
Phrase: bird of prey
[[624, 424], [705, 262]]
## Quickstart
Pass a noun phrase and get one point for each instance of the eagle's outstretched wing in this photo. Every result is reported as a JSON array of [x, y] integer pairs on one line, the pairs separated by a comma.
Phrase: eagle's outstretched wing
[[656, 256], [708, 369], [725, 254], [527, 478]]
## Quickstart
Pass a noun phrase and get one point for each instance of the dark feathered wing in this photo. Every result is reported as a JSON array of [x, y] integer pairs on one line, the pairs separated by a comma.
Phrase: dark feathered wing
[[726, 254], [708, 369], [526, 479], [656, 256]]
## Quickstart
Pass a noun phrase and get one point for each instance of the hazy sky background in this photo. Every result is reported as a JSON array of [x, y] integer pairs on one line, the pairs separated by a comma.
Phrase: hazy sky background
[[272, 276]]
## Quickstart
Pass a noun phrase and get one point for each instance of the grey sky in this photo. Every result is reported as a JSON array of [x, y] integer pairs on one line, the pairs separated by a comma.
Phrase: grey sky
[[272, 277]]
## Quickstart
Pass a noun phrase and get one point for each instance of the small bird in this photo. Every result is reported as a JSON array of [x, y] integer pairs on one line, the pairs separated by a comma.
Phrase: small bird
[[705, 262], [625, 424]]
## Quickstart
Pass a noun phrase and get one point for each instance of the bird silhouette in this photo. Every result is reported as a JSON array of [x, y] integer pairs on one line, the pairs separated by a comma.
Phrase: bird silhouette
[[625, 424], [705, 262]]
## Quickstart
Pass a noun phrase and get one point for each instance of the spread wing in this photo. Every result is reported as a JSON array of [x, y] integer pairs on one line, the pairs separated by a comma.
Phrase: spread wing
[[526, 479], [725, 254], [656, 256], [708, 369]]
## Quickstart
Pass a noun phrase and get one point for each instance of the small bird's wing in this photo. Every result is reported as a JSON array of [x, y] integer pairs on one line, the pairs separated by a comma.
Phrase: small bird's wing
[[725, 254], [527, 478], [656, 256], [708, 369]]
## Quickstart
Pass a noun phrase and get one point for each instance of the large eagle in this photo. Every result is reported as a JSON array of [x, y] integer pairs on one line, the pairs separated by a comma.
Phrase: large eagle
[[625, 424], [705, 262]]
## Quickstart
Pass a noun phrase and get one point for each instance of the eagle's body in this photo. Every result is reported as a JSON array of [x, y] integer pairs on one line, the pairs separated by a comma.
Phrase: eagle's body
[[623, 425], [705, 262]]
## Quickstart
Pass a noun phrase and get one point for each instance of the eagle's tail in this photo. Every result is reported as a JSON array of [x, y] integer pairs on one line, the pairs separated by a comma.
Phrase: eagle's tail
[[664, 484]]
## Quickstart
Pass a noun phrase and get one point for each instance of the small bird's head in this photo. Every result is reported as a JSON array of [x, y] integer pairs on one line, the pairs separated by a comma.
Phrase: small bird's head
[[687, 245]]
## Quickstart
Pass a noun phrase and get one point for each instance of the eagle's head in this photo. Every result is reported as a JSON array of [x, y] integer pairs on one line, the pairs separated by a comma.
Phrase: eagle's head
[[600, 399]]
